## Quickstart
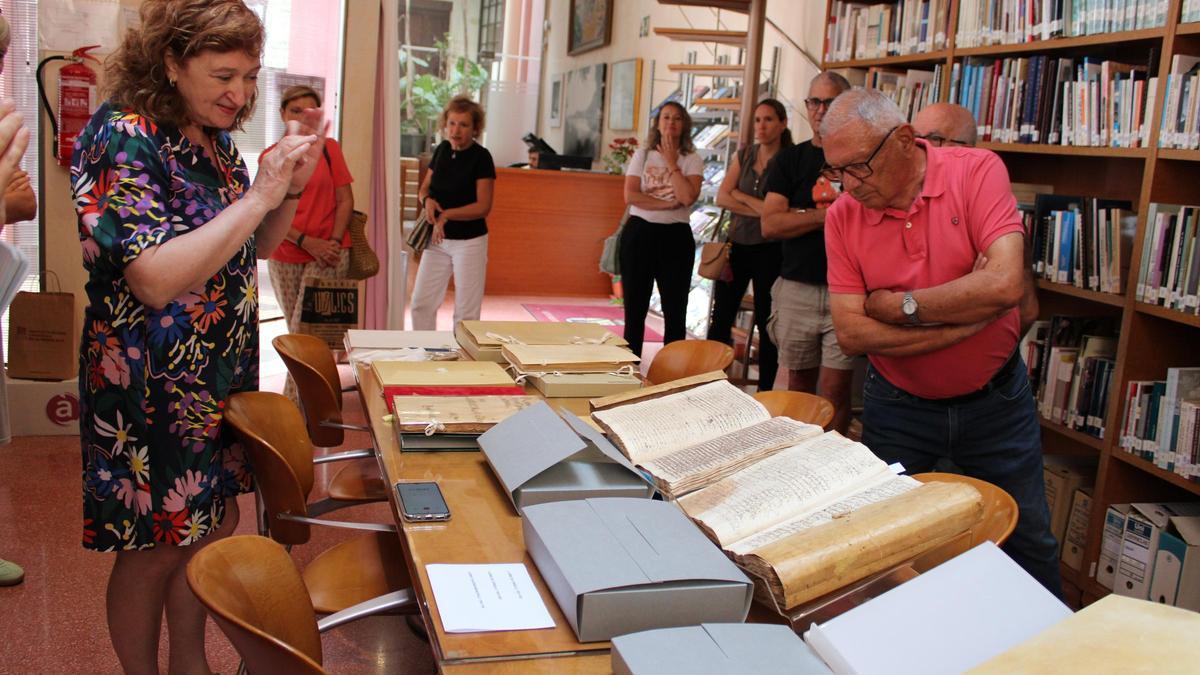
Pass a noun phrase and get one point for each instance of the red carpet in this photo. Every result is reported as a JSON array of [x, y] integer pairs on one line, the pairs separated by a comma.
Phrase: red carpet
[[612, 316]]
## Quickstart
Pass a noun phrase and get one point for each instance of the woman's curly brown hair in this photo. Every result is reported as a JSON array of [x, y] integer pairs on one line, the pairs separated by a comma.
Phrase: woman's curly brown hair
[[136, 74]]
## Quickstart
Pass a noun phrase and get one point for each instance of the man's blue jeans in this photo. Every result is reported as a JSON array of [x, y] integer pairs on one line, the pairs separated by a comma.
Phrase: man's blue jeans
[[993, 436]]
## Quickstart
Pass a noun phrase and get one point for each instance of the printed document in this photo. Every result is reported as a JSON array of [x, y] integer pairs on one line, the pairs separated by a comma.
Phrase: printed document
[[477, 598]]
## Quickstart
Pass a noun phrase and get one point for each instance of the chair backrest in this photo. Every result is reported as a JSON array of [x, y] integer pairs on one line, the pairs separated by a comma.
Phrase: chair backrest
[[251, 588], [798, 405], [314, 371], [683, 358], [997, 523], [271, 429]]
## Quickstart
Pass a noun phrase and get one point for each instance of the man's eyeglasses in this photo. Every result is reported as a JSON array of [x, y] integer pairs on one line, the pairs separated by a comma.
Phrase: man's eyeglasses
[[860, 170], [814, 103], [937, 140]]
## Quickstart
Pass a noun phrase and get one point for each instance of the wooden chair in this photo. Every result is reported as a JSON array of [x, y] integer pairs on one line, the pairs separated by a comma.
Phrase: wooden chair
[[684, 358], [252, 590], [364, 575], [998, 521], [314, 371], [798, 405]]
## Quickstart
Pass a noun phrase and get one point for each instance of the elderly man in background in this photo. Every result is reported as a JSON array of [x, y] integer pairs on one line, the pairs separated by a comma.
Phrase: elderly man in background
[[950, 124], [939, 324]]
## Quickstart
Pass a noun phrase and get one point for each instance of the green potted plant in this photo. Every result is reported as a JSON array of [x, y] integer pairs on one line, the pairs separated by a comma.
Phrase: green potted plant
[[427, 94]]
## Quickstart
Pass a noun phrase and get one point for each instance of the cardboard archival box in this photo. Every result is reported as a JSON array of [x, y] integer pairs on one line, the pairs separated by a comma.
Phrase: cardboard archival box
[[1110, 543], [540, 457], [1139, 545], [583, 385], [44, 408], [1077, 529], [619, 566], [1063, 477], [483, 340], [715, 649], [1176, 579]]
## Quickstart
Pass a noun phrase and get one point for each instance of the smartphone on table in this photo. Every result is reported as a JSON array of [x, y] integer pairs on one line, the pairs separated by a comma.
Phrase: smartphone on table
[[422, 501]]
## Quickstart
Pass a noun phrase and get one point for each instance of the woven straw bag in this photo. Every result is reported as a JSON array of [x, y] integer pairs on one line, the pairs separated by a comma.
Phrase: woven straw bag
[[364, 264]]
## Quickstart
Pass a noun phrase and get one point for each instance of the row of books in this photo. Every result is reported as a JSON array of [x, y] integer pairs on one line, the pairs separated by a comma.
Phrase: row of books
[[1170, 266], [1064, 101], [1160, 419], [1071, 362], [1082, 241], [857, 30], [910, 89], [1180, 125], [995, 22]]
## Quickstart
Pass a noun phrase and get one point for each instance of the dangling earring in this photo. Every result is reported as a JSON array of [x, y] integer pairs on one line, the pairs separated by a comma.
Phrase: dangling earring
[[172, 82]]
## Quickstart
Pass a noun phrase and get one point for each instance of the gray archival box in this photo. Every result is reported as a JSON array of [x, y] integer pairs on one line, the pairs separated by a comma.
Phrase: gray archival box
[[619, 566], [540, 457], [715, 649]]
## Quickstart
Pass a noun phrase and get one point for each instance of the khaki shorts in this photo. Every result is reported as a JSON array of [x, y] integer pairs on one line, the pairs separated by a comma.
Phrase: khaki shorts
[[801, 326]]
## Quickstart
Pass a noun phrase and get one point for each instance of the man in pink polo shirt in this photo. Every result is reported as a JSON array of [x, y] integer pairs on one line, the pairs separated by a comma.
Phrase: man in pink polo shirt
[[925, 254]]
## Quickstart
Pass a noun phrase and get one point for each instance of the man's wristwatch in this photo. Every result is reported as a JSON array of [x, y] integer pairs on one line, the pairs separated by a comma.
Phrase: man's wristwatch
[[909, 307]]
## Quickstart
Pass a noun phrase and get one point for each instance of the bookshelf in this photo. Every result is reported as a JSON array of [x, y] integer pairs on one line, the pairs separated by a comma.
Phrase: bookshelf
[[1152, 338]]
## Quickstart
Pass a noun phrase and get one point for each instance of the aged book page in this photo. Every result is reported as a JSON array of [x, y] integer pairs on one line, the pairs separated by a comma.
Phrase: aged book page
[[871, 539], [886, 486], [790, 483], [647, 430], [692, 468]]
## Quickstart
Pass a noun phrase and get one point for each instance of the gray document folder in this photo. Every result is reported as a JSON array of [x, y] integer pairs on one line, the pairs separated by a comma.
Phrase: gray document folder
[[540, 457], [617, 566]]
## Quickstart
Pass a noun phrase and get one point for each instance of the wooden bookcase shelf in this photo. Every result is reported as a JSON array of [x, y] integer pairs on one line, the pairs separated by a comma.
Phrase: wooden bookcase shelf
[[1169, 314], [1083, 293], [1065, 150], [1152, 338], [1042, 46], [924, 58], [1177, 154], [1077, 436]]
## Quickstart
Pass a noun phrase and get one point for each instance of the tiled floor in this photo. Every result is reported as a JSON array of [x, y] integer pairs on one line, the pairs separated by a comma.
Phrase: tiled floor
[[55, 621]]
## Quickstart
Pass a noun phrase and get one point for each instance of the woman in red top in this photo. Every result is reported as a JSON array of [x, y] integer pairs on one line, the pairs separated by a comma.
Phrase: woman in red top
[[318, 243]]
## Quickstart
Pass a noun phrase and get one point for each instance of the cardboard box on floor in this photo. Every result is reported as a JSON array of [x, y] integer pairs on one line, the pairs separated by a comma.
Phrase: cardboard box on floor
[[1063, 476], [41, 408]]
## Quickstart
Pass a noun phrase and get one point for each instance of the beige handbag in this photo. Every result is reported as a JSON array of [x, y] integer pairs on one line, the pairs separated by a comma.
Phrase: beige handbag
[[714, 258], [364, 264]]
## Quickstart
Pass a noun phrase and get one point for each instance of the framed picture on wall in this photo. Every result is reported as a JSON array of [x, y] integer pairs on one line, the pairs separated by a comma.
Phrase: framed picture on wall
[[624, 101], [556, 101], [591, 25], [583, 110]]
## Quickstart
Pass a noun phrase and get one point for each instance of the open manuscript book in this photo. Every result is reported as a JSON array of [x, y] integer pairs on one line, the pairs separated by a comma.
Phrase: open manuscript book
[[693, 438], [805, 512]]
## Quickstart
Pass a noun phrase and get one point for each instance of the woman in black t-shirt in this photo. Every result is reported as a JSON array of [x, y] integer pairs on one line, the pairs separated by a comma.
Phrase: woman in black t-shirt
[[456, 196]]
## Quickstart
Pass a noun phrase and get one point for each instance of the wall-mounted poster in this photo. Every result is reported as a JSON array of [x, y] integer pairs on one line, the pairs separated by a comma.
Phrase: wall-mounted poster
[[556, 101], [624, 102], [591, 25], [583, 110]]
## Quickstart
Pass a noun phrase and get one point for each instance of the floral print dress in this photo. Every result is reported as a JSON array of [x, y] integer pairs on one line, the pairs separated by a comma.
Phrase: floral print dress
[[157, 464]]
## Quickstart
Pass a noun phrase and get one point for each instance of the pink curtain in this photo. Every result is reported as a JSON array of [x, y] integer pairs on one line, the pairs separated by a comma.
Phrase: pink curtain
[[385, 169]]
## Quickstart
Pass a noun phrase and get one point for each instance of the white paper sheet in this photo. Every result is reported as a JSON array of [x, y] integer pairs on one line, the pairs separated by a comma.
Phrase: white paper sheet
[[477, 598]]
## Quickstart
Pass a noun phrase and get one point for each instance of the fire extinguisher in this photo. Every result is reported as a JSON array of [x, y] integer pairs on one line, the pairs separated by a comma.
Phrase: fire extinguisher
[[76, 99]]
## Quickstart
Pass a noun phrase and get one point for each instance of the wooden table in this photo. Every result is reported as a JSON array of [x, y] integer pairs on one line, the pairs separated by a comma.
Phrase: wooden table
[[483, 528]]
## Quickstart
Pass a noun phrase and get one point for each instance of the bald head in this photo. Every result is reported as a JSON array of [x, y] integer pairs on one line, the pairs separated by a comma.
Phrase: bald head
[[950, 121]]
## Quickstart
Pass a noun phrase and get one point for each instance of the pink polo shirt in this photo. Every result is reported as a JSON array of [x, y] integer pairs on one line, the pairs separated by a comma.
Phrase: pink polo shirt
[[965, 204]]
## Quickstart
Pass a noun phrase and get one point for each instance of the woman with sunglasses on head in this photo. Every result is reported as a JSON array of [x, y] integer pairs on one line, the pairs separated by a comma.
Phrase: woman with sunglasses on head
[[661, 185], [752, 257], [318, 243]]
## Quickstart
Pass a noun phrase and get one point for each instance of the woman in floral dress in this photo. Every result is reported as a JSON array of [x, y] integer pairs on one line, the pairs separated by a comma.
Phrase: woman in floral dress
[[170, 227]]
